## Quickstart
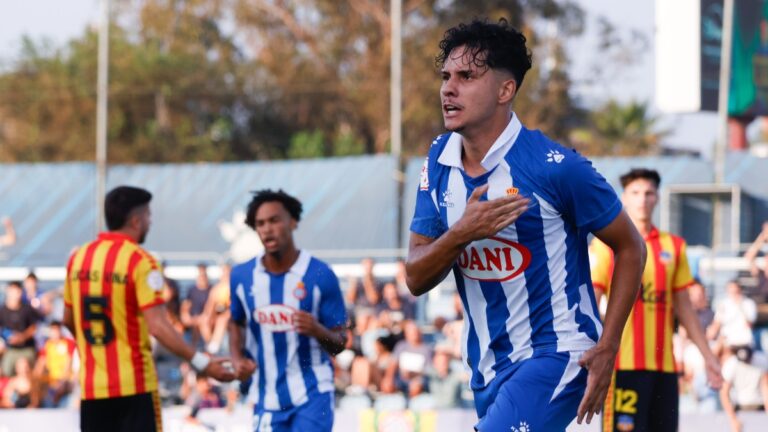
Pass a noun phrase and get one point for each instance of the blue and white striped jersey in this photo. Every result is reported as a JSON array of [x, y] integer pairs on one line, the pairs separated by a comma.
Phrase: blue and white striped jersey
[[526, 290], [290, 367]]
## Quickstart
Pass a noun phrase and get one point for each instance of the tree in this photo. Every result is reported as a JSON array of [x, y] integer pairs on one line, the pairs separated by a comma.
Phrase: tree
[[619, 130]]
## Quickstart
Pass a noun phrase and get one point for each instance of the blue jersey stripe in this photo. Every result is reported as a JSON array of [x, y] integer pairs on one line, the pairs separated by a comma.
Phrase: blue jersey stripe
[[497, 313], [473, 344]]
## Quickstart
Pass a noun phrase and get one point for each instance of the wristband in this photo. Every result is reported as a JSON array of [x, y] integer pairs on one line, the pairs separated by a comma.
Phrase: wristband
[[200, 361]]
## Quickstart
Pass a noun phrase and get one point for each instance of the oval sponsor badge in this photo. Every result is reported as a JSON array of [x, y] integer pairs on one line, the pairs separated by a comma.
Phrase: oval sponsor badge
[[275, 317], [493, 259]]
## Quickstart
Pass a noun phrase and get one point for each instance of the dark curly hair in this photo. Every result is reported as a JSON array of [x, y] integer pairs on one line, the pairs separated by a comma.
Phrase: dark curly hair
[[291, 204], [497, 46]]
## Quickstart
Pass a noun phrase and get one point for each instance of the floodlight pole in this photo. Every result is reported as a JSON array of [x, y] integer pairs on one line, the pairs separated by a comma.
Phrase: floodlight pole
[[396, 81], [719, 153], [101, 114]]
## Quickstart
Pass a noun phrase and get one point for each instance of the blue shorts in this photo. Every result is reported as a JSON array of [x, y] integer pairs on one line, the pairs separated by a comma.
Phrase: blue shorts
[[316, 414], [537, 394]]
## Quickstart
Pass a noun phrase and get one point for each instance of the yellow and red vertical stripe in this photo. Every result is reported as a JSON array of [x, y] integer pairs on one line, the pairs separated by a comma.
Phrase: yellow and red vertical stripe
[[647, 337], [113, 270]]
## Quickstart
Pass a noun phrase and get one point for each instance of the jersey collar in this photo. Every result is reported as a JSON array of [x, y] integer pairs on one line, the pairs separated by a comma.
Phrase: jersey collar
[[654, 233], [115, 236], [451, 154], [298, 268]]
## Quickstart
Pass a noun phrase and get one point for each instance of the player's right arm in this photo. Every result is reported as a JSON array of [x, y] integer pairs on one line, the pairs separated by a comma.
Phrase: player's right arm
[[244, 367], [430, 259], [166, 334]]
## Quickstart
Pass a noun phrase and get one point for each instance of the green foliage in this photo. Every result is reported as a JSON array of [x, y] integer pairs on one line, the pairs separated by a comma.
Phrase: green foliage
[[619, 130], [287, 79]]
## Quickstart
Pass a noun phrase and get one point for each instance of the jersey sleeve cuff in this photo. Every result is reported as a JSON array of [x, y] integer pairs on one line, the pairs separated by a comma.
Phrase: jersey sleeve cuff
[[604, 219], [683, 286], [427, 228], [152, 304]]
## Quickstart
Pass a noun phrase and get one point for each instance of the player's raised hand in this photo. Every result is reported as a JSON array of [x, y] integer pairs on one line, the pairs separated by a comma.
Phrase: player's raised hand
[[220, 369], [482, 219], [305, 323], [598, 362]]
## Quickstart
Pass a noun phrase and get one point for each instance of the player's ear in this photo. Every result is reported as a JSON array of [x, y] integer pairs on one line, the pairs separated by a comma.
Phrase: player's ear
[[507, 90]]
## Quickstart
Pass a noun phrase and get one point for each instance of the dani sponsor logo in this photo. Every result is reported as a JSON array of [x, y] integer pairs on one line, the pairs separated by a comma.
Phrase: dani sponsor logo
[[275, 317], [494, 259]]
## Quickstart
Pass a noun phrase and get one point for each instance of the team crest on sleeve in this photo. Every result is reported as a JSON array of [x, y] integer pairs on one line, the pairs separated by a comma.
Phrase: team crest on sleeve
[[424, 178], [155, 280], [300, 291]]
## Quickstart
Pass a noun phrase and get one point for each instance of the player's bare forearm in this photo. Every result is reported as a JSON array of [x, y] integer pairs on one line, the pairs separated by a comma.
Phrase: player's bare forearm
[[430, 260], [629, 258], [163, 331], [687, 317], [332, 340]]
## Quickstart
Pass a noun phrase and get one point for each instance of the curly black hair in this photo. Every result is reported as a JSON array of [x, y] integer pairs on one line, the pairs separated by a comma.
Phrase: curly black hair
[[291, 204], [493, 45]]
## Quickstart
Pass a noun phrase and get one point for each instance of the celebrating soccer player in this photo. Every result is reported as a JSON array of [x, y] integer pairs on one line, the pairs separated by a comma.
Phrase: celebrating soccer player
[[509, 211], [288, 315], [645, 395], [113, 300]]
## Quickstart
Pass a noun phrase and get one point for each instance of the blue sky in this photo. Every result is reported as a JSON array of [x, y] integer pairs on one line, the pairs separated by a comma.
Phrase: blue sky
[[59, 21]]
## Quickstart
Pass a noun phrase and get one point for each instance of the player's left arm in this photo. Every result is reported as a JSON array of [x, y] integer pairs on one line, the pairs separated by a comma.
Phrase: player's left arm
[[329, 327], [68, 319], [687, 317], [332, 340], [629, 258]]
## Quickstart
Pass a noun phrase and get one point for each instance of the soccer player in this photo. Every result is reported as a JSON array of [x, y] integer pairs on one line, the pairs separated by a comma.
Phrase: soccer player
[[509, 211], [288, 315], [113, 300], [644, 395]]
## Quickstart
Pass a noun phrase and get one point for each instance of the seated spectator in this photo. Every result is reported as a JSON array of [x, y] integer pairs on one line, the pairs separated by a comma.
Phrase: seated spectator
[[54, 369], [700, 304], [410, 359], [31, 292], [444, 384], [745, 383], [734, 317], [192, 307], [18, 321], [452, 330], [400, 308], [172, 299], [364, 291], [21, 390]]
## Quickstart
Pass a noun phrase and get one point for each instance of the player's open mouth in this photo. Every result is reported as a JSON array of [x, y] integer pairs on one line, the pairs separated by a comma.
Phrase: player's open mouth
[[449, 109]]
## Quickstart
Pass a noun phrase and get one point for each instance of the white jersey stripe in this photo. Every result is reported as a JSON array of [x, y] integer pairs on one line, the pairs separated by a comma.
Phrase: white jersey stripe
[[261, 298], [296, 387]]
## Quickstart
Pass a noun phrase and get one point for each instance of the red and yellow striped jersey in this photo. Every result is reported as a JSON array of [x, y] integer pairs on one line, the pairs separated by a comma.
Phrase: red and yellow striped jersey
[[646, 343], [109, 282]]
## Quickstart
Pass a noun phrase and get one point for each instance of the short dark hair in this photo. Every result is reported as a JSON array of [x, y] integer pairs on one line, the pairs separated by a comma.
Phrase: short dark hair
[[493, 45], [120, 202], [31, 275], [291, 204], [15, 284], [641, 173]]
